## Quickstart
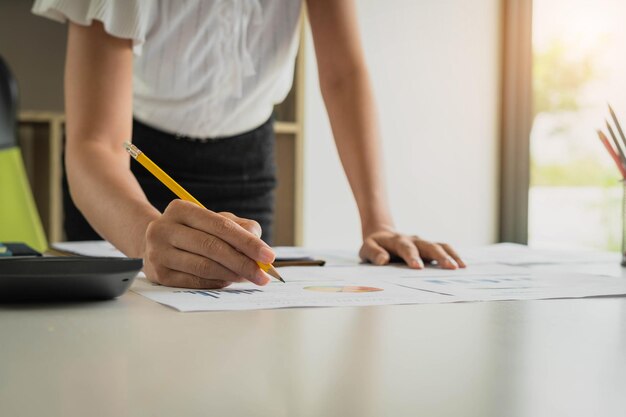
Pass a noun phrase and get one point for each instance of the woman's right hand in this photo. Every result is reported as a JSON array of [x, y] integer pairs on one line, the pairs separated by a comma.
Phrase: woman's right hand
[[189, 246]]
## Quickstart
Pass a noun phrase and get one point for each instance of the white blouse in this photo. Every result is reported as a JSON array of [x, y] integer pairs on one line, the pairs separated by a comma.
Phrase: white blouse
[[203, 68]]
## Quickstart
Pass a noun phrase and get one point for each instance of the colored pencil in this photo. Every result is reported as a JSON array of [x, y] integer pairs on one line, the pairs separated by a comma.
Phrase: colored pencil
[[619, 127], [616, 142], [620, 164]]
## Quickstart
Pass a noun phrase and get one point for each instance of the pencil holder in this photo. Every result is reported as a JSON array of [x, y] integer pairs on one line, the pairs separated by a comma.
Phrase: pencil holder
[[624, 223]]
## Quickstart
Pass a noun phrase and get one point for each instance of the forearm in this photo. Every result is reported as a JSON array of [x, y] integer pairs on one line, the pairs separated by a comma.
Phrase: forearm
[[98, 100], [350, 105], [106, 192]]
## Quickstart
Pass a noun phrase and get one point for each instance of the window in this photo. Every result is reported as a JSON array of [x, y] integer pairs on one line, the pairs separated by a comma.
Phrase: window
[[579, 65]]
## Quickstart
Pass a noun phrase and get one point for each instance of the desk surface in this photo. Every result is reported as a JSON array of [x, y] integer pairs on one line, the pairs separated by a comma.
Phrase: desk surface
[[133, 357]]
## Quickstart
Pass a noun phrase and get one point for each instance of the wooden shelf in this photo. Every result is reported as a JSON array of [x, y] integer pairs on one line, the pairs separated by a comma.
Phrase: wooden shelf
[[31, 116], [286, 128], [40, 136]]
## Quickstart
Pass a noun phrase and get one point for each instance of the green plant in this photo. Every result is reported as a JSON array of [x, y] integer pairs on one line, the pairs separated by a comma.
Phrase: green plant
[[559, 78]]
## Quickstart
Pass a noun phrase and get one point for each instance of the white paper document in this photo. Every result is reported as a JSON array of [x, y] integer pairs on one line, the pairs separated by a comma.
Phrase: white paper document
[[527, 286], [363, 285], [89, 248], [522, 255], [278, 295], [496, 272]]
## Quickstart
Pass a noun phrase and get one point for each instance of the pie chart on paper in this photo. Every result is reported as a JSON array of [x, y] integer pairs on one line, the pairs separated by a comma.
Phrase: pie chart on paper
[[339, 288]]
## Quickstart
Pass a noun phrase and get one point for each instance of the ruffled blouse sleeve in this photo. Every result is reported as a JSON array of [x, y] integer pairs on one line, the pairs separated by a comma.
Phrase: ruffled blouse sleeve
[[127, 19]]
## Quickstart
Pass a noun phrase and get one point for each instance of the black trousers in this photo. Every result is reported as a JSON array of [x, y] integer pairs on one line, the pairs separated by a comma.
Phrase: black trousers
[[235, 174]]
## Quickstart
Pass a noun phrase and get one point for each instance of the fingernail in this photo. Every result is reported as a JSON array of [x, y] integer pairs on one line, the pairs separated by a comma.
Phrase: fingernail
[[417, 263], [266, 255], [261, 278], [452, 263], [381, 259], [257, 231]]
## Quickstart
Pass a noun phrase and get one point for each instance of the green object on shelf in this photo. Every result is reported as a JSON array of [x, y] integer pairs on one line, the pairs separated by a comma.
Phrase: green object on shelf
[[19, 219]]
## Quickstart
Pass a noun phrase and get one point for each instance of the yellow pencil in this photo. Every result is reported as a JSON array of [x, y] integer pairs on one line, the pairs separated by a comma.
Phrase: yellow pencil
[[177, 189]]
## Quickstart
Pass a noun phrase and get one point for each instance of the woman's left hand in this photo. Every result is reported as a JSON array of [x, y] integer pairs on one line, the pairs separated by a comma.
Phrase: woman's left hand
[[378, 248]]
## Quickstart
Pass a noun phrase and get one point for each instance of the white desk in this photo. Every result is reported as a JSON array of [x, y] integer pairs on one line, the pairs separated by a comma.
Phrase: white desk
[[133, 357]]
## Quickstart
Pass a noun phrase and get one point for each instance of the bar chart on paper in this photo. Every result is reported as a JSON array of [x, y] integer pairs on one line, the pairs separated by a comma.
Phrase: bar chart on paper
[[217, 293]]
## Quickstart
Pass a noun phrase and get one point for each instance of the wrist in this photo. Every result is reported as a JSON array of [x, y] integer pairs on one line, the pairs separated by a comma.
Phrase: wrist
[[135, 246], [377, 225], [142, 243], [374, 214]]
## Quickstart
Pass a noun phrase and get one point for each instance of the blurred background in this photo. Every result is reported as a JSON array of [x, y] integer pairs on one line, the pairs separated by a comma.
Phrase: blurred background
[[438, 72], [579, 66]]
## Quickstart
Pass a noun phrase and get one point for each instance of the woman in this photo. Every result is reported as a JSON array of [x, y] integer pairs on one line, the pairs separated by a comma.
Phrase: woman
[[194, 83]]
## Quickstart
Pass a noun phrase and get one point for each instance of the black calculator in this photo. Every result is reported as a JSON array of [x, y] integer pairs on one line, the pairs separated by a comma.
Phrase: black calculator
[[65, 278]]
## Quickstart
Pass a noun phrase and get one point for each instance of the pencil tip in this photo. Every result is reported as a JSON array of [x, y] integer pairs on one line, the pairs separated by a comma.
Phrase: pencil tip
[[278, 277], [273, 272]]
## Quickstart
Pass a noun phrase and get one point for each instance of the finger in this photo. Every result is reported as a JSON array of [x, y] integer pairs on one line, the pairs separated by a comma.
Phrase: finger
[[209, 246], [406, 249], [225, 229], [165, 235], [248, 224], [371, 251], [454, 255], [183, 261], [165, 276], [435, 252], [184, 280]]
